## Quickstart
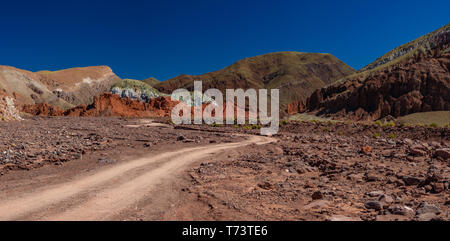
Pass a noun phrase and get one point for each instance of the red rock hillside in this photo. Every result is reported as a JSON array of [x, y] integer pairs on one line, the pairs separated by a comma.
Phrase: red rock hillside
[[109, 105], [416, 80]]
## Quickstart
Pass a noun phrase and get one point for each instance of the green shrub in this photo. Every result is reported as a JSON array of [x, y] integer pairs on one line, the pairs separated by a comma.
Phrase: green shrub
[[215, 125], [434, 125], [326, 129], [376, 135], [392, 136], [378, 123], [256, 127], [403, 124], [247, 127], [389, 124]]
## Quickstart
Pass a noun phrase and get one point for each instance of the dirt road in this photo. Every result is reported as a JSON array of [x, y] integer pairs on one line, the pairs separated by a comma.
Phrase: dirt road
[[104, 194]]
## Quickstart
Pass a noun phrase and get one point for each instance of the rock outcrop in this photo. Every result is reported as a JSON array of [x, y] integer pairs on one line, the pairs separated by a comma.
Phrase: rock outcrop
[[8, 111], [109, 105]]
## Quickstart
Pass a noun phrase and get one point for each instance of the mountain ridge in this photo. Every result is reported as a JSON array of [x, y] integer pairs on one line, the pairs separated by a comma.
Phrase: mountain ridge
[[296, 74]]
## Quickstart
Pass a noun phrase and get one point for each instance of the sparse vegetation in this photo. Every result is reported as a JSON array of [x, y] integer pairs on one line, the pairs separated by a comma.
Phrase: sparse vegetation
[[247, 127], [378, 123], [215, 125], [434, 125], [392, 136], [256, 127], [376, 135], [389, 124]]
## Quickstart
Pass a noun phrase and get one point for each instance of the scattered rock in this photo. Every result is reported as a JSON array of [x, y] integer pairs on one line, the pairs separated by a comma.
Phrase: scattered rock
[[369, 177], [375, 193], [376, 205], [438, 187], [386, 200], [410, 181], [425, 217], [425, 207], [366, 150], [418, 150], [401, 210], [317, 195], [443, 153], [266, 185]]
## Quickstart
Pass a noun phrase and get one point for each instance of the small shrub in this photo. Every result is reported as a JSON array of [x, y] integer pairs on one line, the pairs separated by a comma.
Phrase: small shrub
[[403, 124], [389, 124], [434, 125], [285, 122], [215, 125], [256, 127], [326, 129], [247, 127], [378, 123], [376, 135], [392, 136]]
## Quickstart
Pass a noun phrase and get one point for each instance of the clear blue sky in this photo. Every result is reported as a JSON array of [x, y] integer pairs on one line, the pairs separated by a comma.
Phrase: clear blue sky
[[140, 39]]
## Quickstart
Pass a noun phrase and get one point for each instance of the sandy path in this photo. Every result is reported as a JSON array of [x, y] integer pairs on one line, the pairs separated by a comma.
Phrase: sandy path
[[96, 197]]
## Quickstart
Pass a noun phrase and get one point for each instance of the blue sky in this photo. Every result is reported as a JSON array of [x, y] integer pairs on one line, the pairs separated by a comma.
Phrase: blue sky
[[141, 39]]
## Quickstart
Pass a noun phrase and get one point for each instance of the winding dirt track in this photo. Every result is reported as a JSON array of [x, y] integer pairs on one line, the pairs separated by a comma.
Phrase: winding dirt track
[[103, 194]]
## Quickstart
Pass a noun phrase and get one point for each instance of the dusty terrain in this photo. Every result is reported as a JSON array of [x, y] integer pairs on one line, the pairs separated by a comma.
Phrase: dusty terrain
[[140, 169]]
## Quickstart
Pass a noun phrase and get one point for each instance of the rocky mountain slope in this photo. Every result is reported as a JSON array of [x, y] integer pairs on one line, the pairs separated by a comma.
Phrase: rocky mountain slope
[[79, 85], [27, 88], [64, 89], [412, 78], [296, 74], [151, 81]]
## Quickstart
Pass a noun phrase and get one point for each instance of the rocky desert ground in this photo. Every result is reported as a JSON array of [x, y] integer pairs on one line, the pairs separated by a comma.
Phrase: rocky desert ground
[[65, 167]]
